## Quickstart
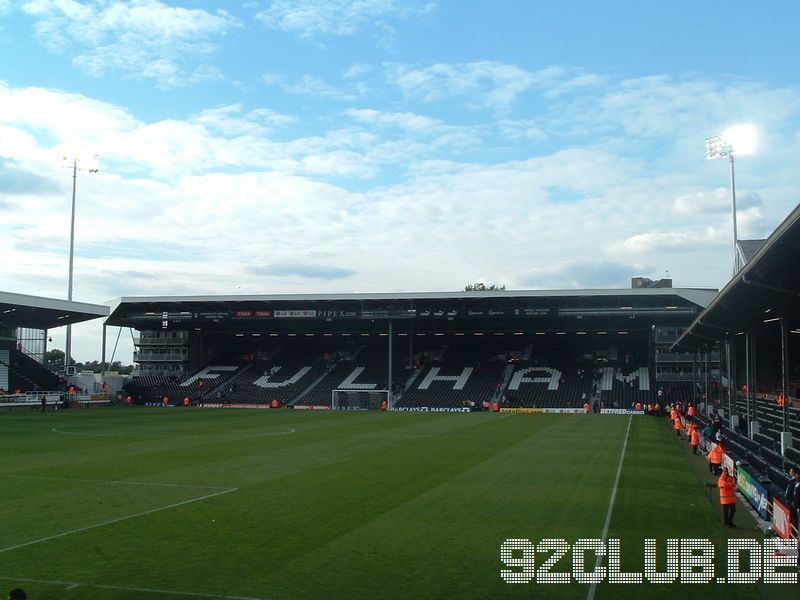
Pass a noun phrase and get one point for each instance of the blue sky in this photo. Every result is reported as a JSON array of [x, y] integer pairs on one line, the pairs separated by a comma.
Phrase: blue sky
[[379, 145]]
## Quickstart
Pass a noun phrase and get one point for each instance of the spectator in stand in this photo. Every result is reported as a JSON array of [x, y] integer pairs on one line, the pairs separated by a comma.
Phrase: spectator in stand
[[793, 494], [743, 424], [716, 423]]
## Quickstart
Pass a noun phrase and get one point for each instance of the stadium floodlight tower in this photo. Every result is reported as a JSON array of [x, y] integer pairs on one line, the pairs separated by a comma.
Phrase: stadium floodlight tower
[[736, 140], [75, 163]]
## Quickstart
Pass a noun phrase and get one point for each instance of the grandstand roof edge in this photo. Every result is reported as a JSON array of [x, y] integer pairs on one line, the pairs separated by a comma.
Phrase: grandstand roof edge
[[100, 310], [38, 312], [691, 336], [700, 296]]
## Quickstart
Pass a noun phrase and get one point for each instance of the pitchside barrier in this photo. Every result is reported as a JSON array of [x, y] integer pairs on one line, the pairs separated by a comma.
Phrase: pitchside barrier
[[29, 400], [571, 411], [769, 509]]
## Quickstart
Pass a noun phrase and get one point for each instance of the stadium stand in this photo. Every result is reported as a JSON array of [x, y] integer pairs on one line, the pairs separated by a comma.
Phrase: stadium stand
[[26, 374], [446, 373], [362, 369]]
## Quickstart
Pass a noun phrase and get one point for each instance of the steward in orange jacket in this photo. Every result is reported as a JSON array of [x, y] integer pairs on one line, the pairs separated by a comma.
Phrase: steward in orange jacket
[[715, 458], [694, 439], [691, 411], [727, 496], [676, 424]]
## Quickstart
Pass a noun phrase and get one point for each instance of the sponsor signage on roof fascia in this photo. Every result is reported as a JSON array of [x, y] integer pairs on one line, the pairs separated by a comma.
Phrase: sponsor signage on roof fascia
[[296, 314], [252, 314], [450, 313], [338, 314], [211, 315]]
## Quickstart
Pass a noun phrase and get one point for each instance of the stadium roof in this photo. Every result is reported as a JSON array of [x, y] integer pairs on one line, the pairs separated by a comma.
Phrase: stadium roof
[[766, 287], [35, 312], [749, 248], [189, 311]]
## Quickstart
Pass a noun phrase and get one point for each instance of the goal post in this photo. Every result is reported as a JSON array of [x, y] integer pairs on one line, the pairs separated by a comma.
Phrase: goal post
[[347, 399]]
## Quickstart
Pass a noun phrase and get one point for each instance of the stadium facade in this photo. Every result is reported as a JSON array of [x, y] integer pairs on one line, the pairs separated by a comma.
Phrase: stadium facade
[[179, 335]]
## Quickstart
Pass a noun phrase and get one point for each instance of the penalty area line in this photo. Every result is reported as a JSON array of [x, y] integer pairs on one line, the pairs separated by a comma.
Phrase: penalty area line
[[172, 592], [71, 585], [116, 481], [117, 520], [590, 595]]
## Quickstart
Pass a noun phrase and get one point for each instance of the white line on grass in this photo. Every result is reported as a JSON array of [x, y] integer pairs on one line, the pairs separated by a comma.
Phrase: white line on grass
[[112, 521], [67, 584], [117, 481], [74, 584], [590, 596], [172, 592], [286, 430]]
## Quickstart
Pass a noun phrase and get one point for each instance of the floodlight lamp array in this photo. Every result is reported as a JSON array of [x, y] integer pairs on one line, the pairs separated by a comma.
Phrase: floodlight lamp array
[[717, 147]]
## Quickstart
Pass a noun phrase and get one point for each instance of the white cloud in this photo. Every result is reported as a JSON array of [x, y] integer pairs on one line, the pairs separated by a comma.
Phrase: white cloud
[[681, 241], [357, 70], [312, 18], [192, 204], [140, 39], [309, 85], [717, 201], [669, 106], [484, 84], [408, 121], [580, 274], [231, 120], [523, 129], [314, 87]]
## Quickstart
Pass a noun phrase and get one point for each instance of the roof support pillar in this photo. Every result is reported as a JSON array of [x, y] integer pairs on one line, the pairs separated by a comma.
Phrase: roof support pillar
[[749, 375], [785, 372], [730, 347], [391, 359]]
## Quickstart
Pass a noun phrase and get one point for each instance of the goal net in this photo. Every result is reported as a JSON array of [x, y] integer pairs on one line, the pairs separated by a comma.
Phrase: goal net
[[342, 399]]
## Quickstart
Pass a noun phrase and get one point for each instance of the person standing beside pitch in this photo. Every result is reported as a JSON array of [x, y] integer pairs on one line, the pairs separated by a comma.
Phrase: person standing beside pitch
[[727, 496]]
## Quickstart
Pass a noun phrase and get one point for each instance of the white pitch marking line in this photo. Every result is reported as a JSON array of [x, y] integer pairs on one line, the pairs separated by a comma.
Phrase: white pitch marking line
[[57, 430], [70, 585], [112, 521], [590, 596], [172, 592], [116, 481], [287, 431]]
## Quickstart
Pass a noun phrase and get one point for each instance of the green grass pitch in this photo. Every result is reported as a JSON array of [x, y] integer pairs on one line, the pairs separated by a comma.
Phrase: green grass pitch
[[190, 503]]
